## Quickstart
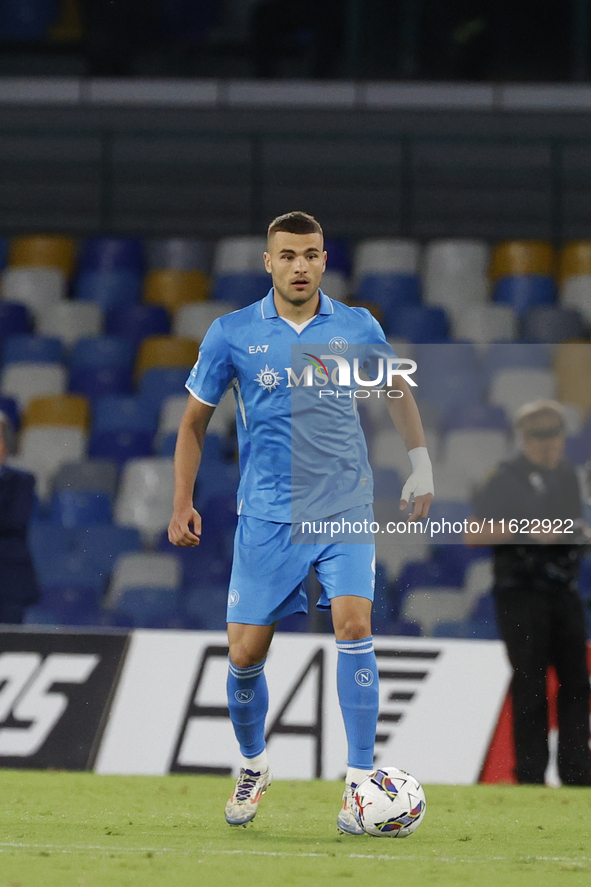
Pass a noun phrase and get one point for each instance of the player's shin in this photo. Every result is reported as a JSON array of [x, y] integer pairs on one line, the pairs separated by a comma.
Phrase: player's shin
[[248, 701], [357, 684]]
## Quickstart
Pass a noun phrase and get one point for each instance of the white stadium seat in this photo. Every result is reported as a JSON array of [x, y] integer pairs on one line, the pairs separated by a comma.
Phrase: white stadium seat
[[335, 285], [26, 380], [386, 256], [193, 321], [145, 495], [143, 569], [44, 449], [37, 288], [575, 292], [70, 321], [513, 388], [428, 606], [233, 255], [474, 452], [485, 323]]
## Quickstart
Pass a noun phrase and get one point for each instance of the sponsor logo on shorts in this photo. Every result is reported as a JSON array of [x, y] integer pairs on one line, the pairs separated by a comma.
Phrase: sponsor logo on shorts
[[364, 677], [233, 598], [244, 696]]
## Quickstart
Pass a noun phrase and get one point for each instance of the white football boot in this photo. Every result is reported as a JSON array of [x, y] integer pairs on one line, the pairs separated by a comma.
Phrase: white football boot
[[244, 800], [346, 820]]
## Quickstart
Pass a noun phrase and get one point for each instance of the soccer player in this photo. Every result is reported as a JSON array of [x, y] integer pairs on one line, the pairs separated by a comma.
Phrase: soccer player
[[251, 350]]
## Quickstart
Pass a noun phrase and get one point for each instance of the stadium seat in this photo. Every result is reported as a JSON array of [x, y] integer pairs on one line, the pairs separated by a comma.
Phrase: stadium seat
[[70, 568], [109, 288], [120, 446], [119, 412], [143, 568], [72, 603], [421, 323], [150, 607], [48, 540], [136, 322], [80, 508], [572, 364], [95, 382], [193, 321], [102, 544], [450, 514], [574, 259], [575, 292], [338, 256], [475, 452], [578, 447], [223, 421], [171, 414], [455, 274], [394, 552], [4, 245], [171, 352], [58, 409], [112, 254], [31, 349], [14, 319], [387, 483], [40, 289], [44, 251], [205, 606], [525, 291], [242, 288], [335, 285], [94, 475], [145, 495], [512, 356], [44, 449], [429, 606], [387, 450], [386, 256], [182, 253], [553, 324], [102, 351], [417, 574], [235, 255], [26, 380], [394, 293], [71, 321], [156, 385], [522, 257], [485, 323], [173, 288], [9, 407], [512, 388], [486, 416], [453, 389], [451, 482], [29, 24], [442, 358]]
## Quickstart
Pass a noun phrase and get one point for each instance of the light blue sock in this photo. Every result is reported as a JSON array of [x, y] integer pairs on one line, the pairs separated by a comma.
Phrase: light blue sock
[[357, 685], [248, 701]]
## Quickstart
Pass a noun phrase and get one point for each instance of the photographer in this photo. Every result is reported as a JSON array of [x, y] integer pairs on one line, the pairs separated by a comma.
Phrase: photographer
[[539, 610]]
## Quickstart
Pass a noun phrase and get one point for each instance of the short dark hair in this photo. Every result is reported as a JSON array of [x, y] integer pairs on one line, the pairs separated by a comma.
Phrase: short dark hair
[[295, 223]]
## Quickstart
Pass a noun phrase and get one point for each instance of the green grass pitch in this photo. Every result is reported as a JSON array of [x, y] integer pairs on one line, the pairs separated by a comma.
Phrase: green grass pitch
[[69, 829]]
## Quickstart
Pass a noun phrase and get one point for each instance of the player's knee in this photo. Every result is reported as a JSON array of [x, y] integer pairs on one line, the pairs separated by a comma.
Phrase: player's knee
[[245, 656], [353, 628]]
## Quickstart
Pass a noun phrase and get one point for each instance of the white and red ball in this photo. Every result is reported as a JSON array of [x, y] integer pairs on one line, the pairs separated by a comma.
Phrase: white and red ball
[[389, 803]]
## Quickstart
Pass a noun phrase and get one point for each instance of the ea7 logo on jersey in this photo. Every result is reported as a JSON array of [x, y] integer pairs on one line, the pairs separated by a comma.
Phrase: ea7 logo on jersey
[[258, 349]]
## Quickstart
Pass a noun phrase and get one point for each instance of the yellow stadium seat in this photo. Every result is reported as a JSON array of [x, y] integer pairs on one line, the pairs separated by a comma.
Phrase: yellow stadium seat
[[572, 365], [44, 251], [575, 259], [72, 410], [165, 351], [522, 257], [172, 287]]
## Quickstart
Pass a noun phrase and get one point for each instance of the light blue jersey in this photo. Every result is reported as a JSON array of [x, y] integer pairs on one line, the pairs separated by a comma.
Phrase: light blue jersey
[[298, 442]]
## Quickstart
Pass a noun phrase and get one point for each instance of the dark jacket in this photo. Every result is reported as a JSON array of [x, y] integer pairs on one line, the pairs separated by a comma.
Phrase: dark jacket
[[18, 583]]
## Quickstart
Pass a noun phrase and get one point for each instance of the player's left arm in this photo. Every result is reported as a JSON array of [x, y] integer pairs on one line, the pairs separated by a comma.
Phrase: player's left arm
[[407, 421]]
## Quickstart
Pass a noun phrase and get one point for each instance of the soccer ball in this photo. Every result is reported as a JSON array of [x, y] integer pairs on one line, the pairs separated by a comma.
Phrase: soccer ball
[[389, 803]]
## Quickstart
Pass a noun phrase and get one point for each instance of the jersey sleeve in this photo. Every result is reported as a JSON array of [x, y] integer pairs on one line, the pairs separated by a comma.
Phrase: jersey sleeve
[[214, 370]]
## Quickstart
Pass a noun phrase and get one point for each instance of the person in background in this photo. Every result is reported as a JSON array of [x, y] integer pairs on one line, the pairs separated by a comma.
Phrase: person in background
[[539, 610], [18, 583]]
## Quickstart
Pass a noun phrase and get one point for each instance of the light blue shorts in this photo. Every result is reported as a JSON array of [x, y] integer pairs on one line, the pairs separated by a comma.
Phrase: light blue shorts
[[268, 570]]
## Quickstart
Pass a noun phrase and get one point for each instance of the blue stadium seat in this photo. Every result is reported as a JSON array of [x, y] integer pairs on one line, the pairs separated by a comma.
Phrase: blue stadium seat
[[4, 246], [242, 289], [95, 382], [386, 483], [402, 628], [14, 319], [119, 412], [476, 415], [70, 568], [9, 407], [394, 293], [150, 607], [338, 255], [551, 323], [72, 604], [102, 544], [40, 615], [80, 508], [109, 289], [512, 356], [419, 574], [524, 291], [48, 541], [27, 20], [483, 610], [449, 629], [296, 622], [442, 358], [159, 383], [112, 254], [420, 323], [578, 447], [166, 445], [453, 389], [223, 481], [451, 512], [205, 605], [102, 351], [135, 322], [32, 349], [120, 445]]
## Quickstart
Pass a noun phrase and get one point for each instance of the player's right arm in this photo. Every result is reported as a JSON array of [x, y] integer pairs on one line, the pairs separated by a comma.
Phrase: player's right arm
[[187, 458]]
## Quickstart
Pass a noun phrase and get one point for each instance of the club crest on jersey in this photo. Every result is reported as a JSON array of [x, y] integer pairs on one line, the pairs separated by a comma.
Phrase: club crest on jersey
[[268, 378]]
